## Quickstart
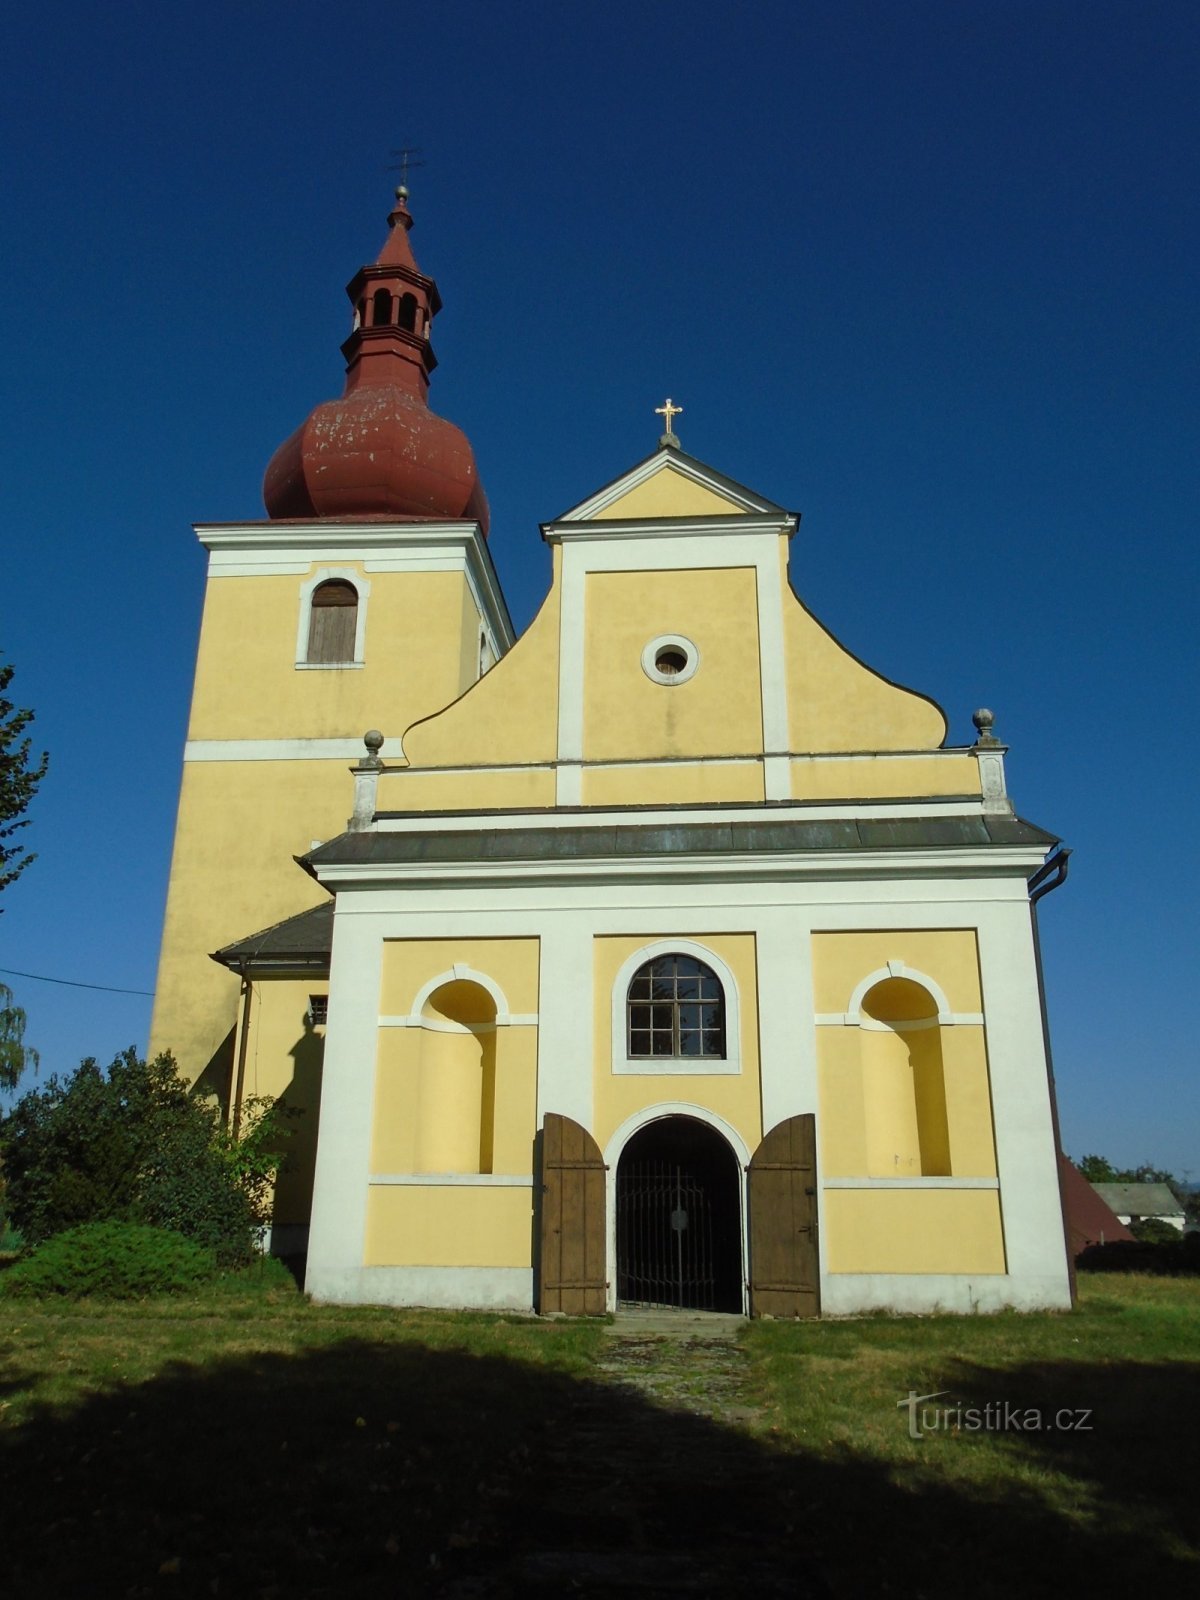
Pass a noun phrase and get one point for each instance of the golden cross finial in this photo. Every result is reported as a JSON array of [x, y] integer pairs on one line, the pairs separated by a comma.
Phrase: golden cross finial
[[670, 411]]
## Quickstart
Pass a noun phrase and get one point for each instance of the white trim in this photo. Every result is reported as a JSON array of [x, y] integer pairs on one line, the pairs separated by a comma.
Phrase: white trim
[[773, 678], [663, 460], [285, 749], [361, 586], [897, 969], [668, 641], [566, 1005], [911, 1183], [459, 973], [666, 530], [454, 1180], [851, 1293], [266, 549], [448, 1288], [612, 1160], [676, 1066], [571, 647], [721, 812], [520, 1019], [1004, 871], [944, 1019]]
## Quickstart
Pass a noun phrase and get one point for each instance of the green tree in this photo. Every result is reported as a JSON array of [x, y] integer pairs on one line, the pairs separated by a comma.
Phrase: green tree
[[19, 779], [15, 1054], [132, 1144]]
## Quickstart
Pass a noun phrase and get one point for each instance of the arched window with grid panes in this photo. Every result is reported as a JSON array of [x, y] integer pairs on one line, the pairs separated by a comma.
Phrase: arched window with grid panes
[[675, 1009], [333, 621]]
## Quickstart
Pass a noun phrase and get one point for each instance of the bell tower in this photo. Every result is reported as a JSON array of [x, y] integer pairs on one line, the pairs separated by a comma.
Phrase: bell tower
[[367, 598]]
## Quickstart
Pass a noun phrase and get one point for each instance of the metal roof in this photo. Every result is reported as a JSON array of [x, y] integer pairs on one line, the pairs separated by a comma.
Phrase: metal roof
[[1139, 1199], [698, 839], [303, 942]]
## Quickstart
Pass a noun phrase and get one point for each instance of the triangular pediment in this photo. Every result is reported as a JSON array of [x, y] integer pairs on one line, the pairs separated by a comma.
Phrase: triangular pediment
[[670, 484]]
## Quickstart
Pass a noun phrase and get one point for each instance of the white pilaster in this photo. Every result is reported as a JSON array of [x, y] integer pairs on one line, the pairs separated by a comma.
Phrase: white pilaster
[[1027, 1161], [787, 1037], [566, 1006], [339, 1215]]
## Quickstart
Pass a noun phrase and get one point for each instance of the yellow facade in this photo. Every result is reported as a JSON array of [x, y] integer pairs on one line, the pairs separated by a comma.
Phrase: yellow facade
[[444, 1225], [902, 1094], [737, 1097], [912, 1230], [669, 493], [510, 717], [718, 712], [248, 685], [673, 783], [282, 1061], [241, 822], [884, 777]]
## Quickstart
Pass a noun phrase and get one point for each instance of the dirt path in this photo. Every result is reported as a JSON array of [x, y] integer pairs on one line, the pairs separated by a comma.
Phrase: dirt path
[[652, 1482]]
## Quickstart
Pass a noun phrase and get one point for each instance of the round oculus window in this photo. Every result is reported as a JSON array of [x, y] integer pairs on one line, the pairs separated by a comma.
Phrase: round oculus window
[[670, 659]]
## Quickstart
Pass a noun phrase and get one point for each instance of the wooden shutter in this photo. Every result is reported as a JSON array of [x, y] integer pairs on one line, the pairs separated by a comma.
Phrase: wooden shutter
[[332, 622], [784, 1269], [572, 1263]]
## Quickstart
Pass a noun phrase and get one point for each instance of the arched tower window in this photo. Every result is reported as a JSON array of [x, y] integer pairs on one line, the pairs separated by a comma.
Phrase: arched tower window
[[904, 1081], [381, 308], [332, 622], [675, 1008], [407, 315]]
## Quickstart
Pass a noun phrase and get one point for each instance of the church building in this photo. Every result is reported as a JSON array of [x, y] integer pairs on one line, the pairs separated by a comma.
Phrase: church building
[[666, 955]]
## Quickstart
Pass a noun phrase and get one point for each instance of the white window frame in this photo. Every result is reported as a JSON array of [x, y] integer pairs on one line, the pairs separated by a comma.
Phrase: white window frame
[[730, 1065], [362, 587], [670, 641]]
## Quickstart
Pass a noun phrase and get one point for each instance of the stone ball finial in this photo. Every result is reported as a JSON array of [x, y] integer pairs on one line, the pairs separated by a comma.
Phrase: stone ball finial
[[373, 740], [984, 721]]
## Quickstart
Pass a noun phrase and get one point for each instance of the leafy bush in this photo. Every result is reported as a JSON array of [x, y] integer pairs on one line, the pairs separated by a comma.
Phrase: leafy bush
[[133, 1145], [122, 1260]]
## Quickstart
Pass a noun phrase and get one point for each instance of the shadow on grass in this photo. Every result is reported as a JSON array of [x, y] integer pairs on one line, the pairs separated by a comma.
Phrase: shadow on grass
[[391, 1469]]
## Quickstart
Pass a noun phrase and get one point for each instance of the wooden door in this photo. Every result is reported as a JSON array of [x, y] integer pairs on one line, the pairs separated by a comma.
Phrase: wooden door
[[784, 1271], [572, 1264]]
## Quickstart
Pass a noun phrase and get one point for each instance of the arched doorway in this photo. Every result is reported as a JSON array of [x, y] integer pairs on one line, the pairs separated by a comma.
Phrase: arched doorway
[[679, 1219]]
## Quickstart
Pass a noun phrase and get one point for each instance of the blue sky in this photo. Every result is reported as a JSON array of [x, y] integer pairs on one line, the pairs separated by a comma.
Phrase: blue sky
[[924, 272]]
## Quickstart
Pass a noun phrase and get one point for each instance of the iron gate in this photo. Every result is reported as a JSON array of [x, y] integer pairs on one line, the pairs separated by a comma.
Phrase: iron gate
[[665, 1254]]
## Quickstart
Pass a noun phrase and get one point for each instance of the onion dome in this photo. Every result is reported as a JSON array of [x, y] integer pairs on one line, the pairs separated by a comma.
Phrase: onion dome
[[380, 450]]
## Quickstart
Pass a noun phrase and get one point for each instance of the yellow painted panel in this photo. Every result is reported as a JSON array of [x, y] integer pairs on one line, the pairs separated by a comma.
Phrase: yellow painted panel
[[842, 1122], [669, 493], [248, 686], [737, 1098], [875, 778], [283, 1059], [240, 823], [968, 1103], [511, 714], [835, 702], [673, 783], [718, 711], [947, 955], [445, 1225], [409, 964], [912, 1230], [481, 788], [397, 1100]]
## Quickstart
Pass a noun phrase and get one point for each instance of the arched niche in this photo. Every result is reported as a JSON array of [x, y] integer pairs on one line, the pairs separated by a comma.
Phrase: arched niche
[[456, 1107], [904, 1080]]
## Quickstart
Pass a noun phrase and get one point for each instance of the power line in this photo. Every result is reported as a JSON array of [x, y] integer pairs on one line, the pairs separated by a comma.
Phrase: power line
[[71, 983]]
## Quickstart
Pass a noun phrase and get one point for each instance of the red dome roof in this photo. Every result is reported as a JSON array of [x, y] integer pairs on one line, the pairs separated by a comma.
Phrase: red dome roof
[[380, 450]]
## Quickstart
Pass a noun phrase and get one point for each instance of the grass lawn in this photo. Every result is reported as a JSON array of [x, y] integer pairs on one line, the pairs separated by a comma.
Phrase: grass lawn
[[245, 1443]]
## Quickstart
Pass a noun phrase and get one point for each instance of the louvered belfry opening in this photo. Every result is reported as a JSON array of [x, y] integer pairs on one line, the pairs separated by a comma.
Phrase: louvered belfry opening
[[679, 1229], [333, 622]]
